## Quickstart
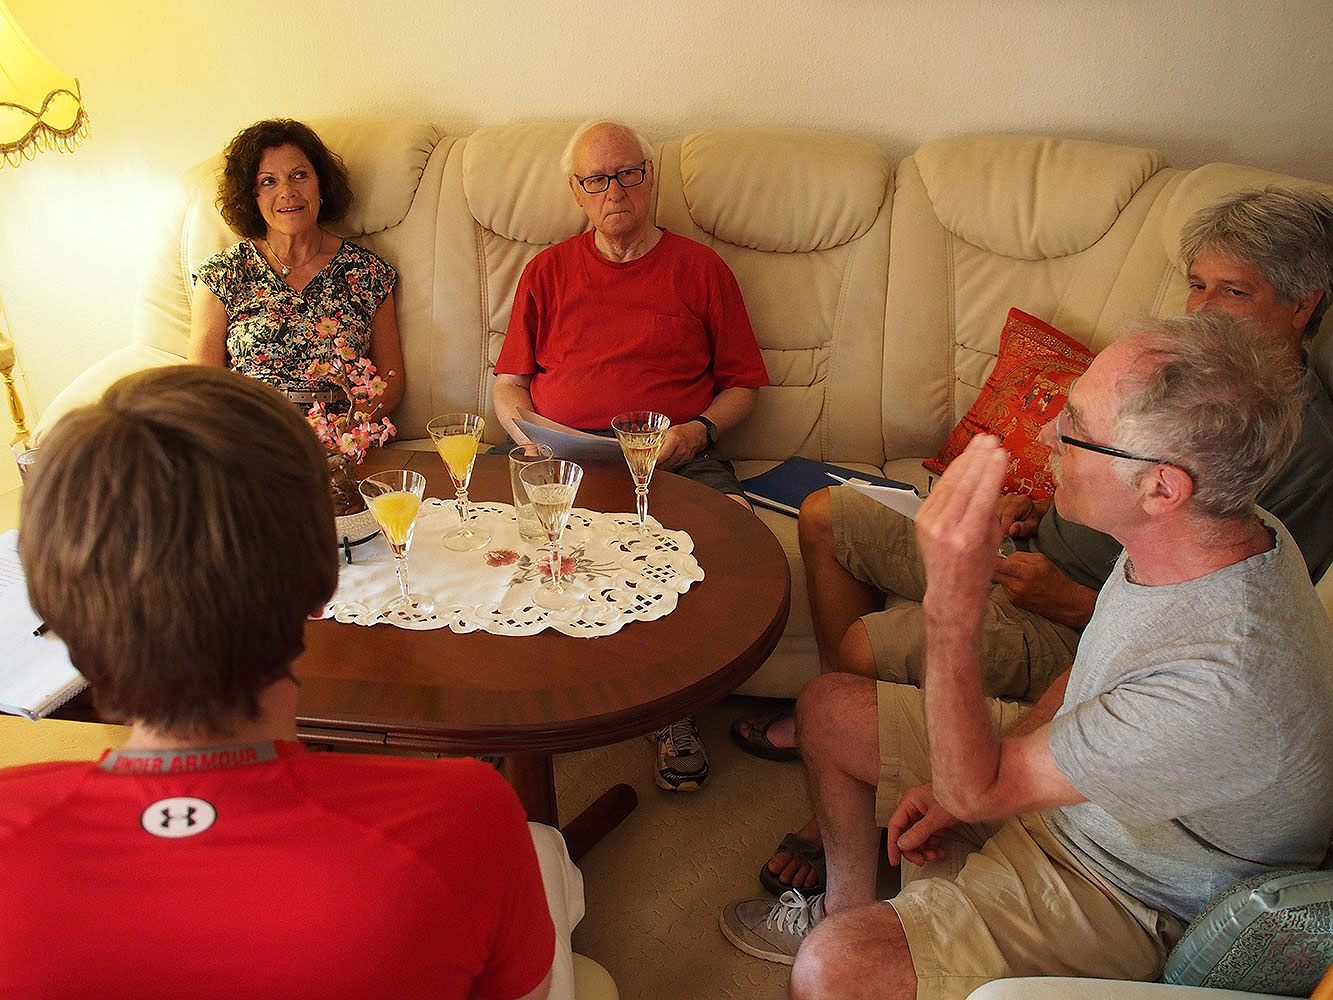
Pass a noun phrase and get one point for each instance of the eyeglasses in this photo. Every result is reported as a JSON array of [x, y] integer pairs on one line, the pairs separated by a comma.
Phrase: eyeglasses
[[630, 177], [1062, 439]]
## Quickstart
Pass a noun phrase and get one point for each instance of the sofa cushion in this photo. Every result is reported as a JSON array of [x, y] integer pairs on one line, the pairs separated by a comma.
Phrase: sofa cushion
[[826, 190], [1272, 933], [513, 185], [1026, 389], [970, 183]]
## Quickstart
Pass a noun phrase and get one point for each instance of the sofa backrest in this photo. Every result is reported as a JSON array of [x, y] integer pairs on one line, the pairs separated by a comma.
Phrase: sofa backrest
[[877, 295], [1081, 234]]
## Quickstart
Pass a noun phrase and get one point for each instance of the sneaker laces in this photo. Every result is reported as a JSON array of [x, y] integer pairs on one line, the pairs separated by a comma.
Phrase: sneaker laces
[[796, 914], [681, 738]]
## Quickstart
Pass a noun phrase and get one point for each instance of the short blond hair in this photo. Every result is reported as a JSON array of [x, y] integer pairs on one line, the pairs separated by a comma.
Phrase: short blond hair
[[176, 534]]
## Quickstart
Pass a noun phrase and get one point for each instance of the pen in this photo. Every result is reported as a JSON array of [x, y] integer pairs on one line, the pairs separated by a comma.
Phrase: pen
[[40, 630]]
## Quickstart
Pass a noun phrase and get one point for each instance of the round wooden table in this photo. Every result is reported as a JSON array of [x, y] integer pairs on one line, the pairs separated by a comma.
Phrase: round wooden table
[[528, 697]]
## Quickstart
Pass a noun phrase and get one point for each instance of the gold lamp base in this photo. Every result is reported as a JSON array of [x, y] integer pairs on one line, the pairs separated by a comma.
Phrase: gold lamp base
[[7, 361]]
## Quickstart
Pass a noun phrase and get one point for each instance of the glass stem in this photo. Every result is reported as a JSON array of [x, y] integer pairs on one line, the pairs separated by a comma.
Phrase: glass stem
[[641, 503], [460, 498], [555, 562], [400, 564]]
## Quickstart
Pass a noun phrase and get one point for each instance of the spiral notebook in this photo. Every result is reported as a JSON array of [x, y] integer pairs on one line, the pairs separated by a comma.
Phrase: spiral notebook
[[36, 676]]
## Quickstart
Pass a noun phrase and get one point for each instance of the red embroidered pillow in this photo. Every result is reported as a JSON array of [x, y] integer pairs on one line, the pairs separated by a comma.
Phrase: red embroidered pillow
[[1026, 389]]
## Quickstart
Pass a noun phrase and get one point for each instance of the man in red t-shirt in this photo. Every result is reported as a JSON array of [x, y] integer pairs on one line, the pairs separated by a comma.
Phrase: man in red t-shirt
[[176, 534], [628, 316]]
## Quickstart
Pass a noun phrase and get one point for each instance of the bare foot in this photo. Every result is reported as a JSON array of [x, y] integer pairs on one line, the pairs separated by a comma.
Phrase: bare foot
[[782, 734]]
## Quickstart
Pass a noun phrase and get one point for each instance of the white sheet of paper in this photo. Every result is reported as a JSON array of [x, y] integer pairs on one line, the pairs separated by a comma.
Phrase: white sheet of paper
[[566, 442], [906, 502], [36, 676]]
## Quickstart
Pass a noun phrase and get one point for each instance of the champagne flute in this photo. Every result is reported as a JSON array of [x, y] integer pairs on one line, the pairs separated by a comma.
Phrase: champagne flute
[[641, 433], [552, 486], [395, 498], [456, 436]]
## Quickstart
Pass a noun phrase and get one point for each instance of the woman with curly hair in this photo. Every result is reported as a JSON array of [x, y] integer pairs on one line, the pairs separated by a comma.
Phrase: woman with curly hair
[[266, 306]]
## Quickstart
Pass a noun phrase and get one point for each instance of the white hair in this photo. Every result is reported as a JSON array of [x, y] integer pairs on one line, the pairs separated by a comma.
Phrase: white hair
[[567, 157]]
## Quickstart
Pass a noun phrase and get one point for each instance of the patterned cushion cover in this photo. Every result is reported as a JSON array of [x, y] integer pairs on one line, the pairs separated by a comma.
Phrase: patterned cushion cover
[[1272, 933], [1026, 389]]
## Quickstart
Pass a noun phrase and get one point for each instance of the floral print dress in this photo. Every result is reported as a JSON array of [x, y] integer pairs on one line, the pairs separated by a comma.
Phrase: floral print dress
[[272, 329]]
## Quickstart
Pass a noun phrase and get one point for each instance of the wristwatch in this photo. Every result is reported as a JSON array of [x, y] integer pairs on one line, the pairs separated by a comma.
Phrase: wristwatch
[[710, 428]]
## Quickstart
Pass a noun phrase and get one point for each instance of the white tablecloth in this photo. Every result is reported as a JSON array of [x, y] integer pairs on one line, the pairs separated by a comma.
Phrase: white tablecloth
[[622, 577]]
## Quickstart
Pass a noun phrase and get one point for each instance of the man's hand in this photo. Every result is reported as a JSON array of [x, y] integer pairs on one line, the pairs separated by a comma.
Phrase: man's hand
[[681, 443], [915, 825], [957, 532], [1034, 583], [1018, 515]]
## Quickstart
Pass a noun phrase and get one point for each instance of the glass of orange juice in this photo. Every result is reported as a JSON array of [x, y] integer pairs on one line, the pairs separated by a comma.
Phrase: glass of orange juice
[[395, 498], [456, 436]]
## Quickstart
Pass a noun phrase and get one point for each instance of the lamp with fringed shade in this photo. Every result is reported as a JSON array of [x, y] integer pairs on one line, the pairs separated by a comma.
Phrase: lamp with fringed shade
[[40, 108]]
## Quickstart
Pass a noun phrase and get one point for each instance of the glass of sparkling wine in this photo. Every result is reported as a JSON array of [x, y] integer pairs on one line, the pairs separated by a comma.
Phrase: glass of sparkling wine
[[552, 486], [456, 436], [394, 498], [641, 433]]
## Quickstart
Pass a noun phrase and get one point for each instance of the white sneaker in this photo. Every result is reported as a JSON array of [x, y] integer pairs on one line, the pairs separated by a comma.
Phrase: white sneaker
[[682, 763], [772, 931]]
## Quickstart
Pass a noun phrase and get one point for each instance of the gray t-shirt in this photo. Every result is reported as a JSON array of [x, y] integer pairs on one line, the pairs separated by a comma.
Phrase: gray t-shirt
[[1197, 723]]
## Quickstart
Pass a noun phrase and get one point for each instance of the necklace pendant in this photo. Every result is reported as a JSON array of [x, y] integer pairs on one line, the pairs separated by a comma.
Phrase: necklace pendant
[[286, 271]]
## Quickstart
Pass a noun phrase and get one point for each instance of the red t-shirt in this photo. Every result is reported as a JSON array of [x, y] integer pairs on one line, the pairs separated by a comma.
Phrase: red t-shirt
[[666, 332], [264, 871]]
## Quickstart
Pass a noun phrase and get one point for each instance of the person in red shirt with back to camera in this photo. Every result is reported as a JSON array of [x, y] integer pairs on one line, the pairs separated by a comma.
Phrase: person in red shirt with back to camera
[[176, 535]]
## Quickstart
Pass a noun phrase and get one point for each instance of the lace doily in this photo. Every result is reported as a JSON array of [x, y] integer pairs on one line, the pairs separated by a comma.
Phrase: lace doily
[[622, 575]]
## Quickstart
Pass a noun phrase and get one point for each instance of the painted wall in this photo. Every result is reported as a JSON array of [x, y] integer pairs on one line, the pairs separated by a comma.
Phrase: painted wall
[[169, 81]]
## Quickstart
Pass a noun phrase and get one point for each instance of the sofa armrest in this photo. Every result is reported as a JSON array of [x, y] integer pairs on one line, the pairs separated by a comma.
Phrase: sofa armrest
[[94, 381]]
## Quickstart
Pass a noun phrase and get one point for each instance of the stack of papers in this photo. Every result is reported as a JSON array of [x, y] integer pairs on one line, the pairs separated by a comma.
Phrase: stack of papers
[[36, 676], [566, 442]]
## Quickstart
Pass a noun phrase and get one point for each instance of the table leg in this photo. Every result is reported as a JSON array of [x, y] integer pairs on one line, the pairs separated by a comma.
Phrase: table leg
[[532, 776], [533, 779]]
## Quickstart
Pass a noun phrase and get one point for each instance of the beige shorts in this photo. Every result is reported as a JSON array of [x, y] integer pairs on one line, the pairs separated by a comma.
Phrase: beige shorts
[[1023, 905], [1022, 652], [1009, 899]]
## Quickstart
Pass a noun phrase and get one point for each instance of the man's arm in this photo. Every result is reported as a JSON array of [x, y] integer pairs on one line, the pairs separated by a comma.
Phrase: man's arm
[[916, 822], [509, 394], [976, 774], [684, 441]]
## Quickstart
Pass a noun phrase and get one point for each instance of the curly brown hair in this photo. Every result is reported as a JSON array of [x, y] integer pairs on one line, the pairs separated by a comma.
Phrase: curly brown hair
[[236, 189]]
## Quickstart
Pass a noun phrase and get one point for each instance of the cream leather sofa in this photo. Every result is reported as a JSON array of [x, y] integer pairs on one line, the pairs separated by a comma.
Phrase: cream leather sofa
[[877, 293]]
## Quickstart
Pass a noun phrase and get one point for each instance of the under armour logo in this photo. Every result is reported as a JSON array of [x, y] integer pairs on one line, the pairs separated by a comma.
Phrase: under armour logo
[[178, 817], [168, 819]]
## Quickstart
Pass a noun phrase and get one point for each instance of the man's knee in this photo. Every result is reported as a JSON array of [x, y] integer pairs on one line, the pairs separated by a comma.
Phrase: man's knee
[[814, 524], [832, 710], [855, 653], [857, 952]]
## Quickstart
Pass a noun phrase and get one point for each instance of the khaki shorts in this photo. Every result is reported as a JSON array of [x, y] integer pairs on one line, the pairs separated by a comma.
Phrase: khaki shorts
[[1025, 906], [1022, 652], [1009, 899]]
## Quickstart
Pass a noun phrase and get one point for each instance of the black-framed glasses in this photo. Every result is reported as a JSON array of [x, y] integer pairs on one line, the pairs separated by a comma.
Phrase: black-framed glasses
[[1062, 439], [630, 177]]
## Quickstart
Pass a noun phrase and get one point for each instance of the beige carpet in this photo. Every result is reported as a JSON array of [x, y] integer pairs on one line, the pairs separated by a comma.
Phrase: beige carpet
[[656, 884]]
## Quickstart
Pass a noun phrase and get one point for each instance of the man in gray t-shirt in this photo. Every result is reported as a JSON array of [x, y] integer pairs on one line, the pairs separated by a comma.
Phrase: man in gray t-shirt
[[1191, 745]]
